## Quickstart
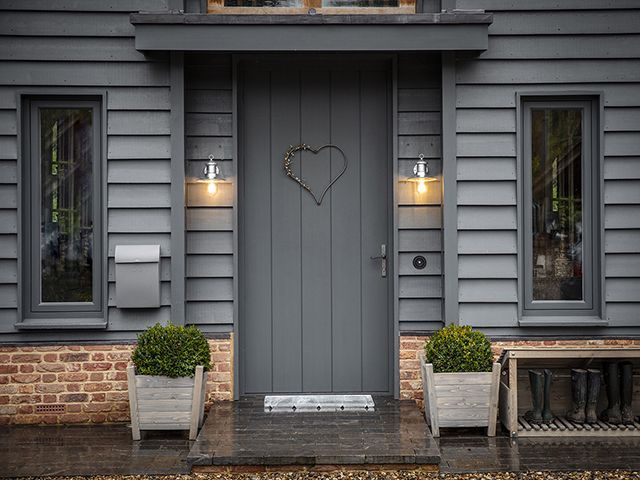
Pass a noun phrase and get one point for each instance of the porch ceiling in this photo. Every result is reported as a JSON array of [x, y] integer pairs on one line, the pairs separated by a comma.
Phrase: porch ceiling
[[464, 31]]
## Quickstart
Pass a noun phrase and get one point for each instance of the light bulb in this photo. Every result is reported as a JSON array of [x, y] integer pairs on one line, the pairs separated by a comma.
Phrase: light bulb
[[212, 188], [422, 186]]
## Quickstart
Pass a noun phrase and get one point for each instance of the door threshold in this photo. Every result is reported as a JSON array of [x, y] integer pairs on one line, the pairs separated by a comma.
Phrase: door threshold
[[318, 403]]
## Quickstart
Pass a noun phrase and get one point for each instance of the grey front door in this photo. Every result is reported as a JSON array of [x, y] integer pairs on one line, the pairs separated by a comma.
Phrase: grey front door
[[314, 307]]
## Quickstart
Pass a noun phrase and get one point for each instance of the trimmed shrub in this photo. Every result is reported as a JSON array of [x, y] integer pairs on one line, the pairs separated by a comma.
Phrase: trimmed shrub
[[171, 350], [459, 349]]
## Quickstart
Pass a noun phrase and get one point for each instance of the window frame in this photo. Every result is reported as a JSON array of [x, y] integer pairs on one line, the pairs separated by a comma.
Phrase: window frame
[[34, 314], [589, 310]]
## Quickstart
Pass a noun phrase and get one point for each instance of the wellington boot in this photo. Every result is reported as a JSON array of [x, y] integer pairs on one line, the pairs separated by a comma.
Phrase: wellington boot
[[536, 379], [626, 392], [547, 414], [578, 395], [612, 384], [593, 393]]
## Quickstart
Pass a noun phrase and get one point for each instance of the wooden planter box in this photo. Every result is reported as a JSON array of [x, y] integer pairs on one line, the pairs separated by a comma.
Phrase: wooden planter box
[[468, 399], [163, 403]]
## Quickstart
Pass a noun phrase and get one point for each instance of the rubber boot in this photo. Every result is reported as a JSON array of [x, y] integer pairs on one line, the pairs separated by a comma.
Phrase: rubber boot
[[593, 394], [547, 414], [626, 392], [612, 384], [578, 395], [536, 379]]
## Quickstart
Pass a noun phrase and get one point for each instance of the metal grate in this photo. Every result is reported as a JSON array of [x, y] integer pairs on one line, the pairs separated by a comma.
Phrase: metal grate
[[561, 426], [318, 403], [52, 408]]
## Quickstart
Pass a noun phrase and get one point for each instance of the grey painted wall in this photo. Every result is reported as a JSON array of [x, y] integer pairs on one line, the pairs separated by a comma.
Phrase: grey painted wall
[[208, 106], [538, 46], [89, 46]]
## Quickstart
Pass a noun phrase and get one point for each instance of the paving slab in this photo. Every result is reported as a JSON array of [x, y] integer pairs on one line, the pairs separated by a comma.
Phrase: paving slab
[[243, 433]]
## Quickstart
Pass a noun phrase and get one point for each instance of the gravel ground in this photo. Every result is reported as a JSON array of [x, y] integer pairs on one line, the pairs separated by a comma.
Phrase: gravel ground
[[363, 475]]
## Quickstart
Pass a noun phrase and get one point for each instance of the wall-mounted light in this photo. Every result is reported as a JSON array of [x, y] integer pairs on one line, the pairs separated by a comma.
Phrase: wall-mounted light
[[421, 175], [212, 175]]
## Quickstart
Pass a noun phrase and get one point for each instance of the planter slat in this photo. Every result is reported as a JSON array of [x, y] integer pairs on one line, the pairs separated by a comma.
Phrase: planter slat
[[468, 399], [462, 390], [149, 381], [164, 405], [469, 378], [163, 417], [179, 393], [165, 426]]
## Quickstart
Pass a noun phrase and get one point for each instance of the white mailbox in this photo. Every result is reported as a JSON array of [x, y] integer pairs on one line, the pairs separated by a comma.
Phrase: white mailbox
[[137, 276]]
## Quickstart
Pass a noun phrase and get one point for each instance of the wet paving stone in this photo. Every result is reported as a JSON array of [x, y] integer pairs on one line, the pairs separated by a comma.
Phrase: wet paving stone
[[241, 433]]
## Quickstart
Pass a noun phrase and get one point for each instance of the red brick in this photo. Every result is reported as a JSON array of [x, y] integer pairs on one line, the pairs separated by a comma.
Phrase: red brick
[[74, 397], [50, 419], [25, 378], [49, 377], [73, 367], [98, 418], [72, 377], [97, 407], [98, 348], [50, 357], [116, 376], [98, 397], [95, 366], [74, 357], [74, 418], [8, 409], [51, 367], [97, 387], [26, 399], [49, 348], [117, 396], [118, 416], [74, 408], [50, 388], [26, 388], [26, 358], [4, 399], [49, 398], [27, 419], [73, 387], [25, 409], [4, 358], [4, 379], [27, 368], [97, 357], [122, 366], [96, 376], [8, 369]]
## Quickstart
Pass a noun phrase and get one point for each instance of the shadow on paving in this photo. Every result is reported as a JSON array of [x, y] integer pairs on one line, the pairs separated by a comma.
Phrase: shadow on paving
[[470, 451], [89, 450]]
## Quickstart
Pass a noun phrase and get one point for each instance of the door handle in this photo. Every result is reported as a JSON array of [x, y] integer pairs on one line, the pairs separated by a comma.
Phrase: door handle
[[383, 259]]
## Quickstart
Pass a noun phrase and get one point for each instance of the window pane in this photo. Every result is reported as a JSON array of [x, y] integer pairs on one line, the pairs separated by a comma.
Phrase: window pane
[[263, 3], [360, 3], [66, 214], [557, 191]]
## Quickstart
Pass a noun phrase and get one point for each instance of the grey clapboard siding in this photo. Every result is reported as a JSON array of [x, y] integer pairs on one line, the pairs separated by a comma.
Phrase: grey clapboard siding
[[81, 47], [419, 216], [209, 219], [545, 46]]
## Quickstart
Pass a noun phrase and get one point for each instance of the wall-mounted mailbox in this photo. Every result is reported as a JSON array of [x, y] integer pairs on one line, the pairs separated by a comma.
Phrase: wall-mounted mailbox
[[137, 276]]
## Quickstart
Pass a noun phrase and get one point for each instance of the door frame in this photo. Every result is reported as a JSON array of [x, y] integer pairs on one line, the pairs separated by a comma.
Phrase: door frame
[[238, 174]]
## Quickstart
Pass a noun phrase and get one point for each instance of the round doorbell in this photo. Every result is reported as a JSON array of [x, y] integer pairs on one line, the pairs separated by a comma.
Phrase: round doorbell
[[419, 262]]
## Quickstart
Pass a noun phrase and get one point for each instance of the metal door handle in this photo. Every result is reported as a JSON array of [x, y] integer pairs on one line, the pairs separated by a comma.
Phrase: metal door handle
[[383, 259]]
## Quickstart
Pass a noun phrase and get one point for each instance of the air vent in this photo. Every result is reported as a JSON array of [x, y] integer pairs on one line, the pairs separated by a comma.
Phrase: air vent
[[53, 408]]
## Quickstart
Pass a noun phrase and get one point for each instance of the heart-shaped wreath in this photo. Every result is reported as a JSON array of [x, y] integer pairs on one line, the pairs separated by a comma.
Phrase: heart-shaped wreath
[[303, 147]]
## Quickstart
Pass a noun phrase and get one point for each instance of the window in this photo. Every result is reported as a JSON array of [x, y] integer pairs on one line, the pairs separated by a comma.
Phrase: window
[[62, 205], [303, 6], [561, 213]]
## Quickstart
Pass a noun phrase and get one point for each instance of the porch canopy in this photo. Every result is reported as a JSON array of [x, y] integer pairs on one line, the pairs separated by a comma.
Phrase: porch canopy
[[456, 31]]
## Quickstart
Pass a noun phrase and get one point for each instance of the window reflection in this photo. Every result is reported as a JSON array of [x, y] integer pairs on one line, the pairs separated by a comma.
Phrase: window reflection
[[557, 193], [66, 213]]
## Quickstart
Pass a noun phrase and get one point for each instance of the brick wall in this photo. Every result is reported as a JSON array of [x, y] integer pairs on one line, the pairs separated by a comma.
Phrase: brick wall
[[84, 383], [411, 346]]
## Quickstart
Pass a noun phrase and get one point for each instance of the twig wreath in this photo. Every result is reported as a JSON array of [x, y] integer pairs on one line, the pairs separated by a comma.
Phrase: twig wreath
[[288, 161]]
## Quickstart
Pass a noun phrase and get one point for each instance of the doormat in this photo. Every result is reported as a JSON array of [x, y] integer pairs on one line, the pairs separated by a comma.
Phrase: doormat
[[318, 403]]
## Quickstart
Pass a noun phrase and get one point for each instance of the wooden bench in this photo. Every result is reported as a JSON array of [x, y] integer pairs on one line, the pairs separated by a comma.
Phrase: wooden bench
[[515, 392]]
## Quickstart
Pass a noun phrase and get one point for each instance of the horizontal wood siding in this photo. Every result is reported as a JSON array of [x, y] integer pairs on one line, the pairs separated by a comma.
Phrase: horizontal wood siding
[[419, 216], [87, 47], [545, 46], [209, 219]]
